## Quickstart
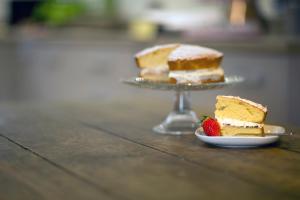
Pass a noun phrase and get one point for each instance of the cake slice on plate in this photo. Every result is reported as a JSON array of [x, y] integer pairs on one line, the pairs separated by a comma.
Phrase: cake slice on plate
[[238, 116]]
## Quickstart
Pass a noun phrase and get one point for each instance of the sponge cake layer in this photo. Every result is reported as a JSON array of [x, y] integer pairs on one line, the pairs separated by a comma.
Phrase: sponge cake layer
[[240, 109], [236, 131], [156, 56]]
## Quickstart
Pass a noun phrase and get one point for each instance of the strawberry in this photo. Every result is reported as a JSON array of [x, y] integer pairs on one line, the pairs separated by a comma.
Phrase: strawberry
[[211, 126]]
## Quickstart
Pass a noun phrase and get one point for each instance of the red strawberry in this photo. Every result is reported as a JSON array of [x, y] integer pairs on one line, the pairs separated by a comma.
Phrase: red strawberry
[[211, 126]]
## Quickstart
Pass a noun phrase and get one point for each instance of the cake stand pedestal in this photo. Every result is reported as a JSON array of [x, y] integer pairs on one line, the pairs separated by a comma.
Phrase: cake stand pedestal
[[182, 119]]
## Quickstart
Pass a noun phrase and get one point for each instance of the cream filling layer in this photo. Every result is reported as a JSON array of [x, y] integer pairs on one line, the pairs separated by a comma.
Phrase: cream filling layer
[[238, 123], [196, 76], [162, 69]]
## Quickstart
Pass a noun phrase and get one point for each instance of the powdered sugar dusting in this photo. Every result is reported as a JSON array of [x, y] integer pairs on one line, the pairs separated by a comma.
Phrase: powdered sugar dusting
[[257, 105], [155, 48], [192, 51]]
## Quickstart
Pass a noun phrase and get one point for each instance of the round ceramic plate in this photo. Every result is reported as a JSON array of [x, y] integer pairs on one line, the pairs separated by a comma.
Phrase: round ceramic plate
[[243, 141]]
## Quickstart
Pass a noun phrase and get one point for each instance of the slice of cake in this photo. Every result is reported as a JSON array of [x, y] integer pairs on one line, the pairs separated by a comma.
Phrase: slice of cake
[[153, 62], [239, 116], [195, 64]]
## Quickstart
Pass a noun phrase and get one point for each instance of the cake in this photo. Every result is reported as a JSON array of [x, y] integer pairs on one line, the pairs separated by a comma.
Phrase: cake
[[181, 63], [153, 62], [195, 64], [238, 116]]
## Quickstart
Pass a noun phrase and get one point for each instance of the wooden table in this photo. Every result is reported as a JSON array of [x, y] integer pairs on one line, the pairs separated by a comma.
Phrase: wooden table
[[106, 150]]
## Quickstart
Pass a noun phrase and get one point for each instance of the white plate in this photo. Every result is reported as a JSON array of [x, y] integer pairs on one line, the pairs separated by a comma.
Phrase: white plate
[[242, 141]]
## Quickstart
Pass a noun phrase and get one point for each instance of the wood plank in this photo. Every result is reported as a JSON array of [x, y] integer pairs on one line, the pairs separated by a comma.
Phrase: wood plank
[[130, 169], [24, 175], [272, 167]]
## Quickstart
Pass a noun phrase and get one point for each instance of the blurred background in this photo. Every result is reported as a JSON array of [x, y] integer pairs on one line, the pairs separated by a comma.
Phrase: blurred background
[[78, 50]]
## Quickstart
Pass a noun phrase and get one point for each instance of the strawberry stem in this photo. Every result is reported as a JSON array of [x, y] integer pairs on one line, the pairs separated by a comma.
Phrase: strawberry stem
[[204, 117]]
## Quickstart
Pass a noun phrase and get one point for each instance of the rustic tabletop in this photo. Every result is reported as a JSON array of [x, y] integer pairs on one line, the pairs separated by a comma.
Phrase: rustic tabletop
[[108, 151]]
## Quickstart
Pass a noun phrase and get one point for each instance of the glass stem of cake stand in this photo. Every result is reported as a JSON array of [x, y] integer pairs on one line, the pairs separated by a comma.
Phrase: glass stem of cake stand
[[181, 120], [182, 101]]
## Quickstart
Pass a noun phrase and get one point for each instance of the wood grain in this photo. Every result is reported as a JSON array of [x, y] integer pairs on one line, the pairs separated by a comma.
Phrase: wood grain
[[24, 175], [273, 168], [130, 168]]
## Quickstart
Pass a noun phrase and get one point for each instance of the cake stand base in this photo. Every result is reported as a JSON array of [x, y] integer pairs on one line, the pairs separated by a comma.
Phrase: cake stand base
[[182, 120]]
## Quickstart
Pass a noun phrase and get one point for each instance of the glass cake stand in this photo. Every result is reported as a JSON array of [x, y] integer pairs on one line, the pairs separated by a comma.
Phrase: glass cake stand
[[182, 119]]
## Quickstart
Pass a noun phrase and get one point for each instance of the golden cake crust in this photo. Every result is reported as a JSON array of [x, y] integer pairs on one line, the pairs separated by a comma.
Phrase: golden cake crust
[[195, 63], [191, 57]]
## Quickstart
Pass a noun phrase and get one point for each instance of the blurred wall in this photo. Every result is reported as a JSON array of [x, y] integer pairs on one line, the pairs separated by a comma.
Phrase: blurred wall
[[3, 10], [70, 70]]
